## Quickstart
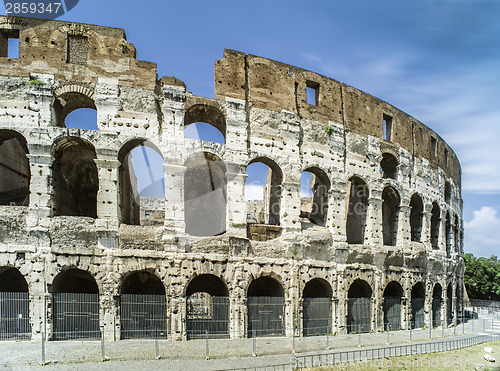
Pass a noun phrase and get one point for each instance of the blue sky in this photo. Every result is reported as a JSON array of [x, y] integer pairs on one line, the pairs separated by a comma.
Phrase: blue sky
[[437, 60]]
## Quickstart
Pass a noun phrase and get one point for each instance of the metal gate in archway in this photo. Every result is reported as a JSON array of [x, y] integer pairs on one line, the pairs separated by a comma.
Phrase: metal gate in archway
[[266, 316], [417, 312], [143, 316], [317, 314], [14, 316], [76, 316], [207, 315], [359, 315], [436, 312], [392, 313]]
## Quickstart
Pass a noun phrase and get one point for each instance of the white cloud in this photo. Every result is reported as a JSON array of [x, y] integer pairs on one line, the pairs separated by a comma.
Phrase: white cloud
[[254, 192], [482, 237]]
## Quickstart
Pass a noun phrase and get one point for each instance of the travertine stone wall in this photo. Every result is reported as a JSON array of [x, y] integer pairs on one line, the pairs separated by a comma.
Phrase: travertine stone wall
[[261, 107]]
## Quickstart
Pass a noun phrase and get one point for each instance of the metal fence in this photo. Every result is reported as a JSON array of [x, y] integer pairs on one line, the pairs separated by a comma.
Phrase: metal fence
[[143, 316], [76, 316], [417, 312], [207, 315], [266, 316], [317, 316], [436, 312], [14, 316], [392, 313], [359, 315]]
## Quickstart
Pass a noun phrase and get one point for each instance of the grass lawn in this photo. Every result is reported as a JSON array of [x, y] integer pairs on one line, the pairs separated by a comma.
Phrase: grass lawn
[[463, 359]]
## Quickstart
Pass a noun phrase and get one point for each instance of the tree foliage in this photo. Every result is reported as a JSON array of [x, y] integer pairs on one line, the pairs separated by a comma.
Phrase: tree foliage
[[482, 277]]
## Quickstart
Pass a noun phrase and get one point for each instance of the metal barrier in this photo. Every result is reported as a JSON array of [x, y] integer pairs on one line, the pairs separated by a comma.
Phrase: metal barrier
[[266, 316], [317, 316], [418, 313], [142, 316], [207, 316], [359, 315], [14, 316], [76, 316], [392, 313]]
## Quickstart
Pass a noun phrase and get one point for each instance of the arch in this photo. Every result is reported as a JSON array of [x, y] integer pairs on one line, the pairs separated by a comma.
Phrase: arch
[[416, 213], [449, 304], [417, 305], [75, 305], [75, 177], [393, 293], [435, 225], [206, 112], [143, 306], [207, 305], [389, 166], [15, 174], [390, 215], [359, 307], [357, 194], [14, 305], [266, 307], [142, 198], [69, 98], [447, 193], [205, 195], [436, 305], [317, 307], [448, 234], [314, 208]]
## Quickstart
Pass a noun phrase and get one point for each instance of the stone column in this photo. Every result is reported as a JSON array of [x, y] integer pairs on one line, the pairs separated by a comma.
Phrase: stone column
[[235, 201], [290, 207], [426, 226], [404, 230], [174, 201], [108, 194], [176, 303], [237, 304], [373, 231], [41, 191], [292, 314], [337, 216], [442, 232]]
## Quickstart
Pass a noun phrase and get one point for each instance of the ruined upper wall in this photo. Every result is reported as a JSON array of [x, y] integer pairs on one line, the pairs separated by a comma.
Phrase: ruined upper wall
[[271, 85], [73, 52]]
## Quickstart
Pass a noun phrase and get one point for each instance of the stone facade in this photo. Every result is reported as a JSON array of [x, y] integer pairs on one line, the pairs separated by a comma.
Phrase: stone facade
[[389, 201]]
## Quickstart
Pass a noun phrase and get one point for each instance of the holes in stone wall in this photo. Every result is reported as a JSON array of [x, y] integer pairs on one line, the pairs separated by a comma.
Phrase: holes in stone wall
[[390, 215], [357, 194], [14, 169], [314, 197]]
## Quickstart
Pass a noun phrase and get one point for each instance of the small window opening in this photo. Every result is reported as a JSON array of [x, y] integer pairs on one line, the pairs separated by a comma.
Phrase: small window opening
[[146, 213], [312, 91], [433, 146], [446, 157], [387, 120], [9, 43]]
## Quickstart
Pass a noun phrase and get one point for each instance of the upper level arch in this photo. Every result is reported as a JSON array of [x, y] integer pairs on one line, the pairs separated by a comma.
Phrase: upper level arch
[[69, 98], [203, 110]]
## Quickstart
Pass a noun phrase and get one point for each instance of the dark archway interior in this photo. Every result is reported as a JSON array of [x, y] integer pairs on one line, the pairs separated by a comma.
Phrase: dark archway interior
[[316, 210], [447, 193], [390, 211], [359, 289], [389, 166], [456, 235], [207, 114], [435, 225], [205, 195], [393, 290], [448, 235], [74, 281], [11, 280], [417, 209], [317, 288], [357, 193], [14, 169], [437, 292], [208, 283], [75, 178], [418, 291], [69, 102], [265, 286], [142, 283]]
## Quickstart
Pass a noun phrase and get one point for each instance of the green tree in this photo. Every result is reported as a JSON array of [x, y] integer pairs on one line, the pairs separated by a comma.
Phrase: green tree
[[482, 277]]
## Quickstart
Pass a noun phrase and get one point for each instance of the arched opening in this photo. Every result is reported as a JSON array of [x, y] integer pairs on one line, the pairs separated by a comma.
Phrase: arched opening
[[263, 196], [14, 305], [205, 195], [69, 102], [448, 235], [389, 166], [417, 208], [357, 194], [83, 118], [436, 305], [75, 305], [359, 307], [449, 304], [447, 193], [317, 307], [417, 305], [435, 225], [456, 235], [142, 184], [390, 215], [266, 307], [393, 294], [75, 177], [14, 169], [207, 302], [199, 121], [143, 306], [314, 197]]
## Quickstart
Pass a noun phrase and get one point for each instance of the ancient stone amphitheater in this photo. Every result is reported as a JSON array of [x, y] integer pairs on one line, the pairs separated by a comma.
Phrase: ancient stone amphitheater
[[377, 246]]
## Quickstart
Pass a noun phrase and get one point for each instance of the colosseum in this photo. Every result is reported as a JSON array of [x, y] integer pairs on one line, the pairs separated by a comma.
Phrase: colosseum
[[377, 246]]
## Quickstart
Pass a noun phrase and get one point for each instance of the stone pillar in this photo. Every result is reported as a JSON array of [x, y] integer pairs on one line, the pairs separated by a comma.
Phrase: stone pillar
[[404, 229], [292, 309], [37, 311], [337, 216], [237, 304], [290, 207], [373, 231], [41, 192], [176, 304], [235, 201], [40, 100], [174, 201], [108, 194], [426, 226], [442, 232]]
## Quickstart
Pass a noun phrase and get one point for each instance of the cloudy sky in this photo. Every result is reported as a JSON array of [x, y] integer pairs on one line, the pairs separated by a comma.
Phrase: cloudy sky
[[437, 60]]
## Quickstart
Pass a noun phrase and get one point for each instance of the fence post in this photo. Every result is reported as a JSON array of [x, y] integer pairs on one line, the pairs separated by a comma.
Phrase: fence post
[[442, 327], [103, 351], [388, 333], [430, 325], [484, 325], [43, 348], [254, 343], [293, 340], [463, 321], [157, 348], [207, 354], [327, 337], [410, 331], [359, 336]]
